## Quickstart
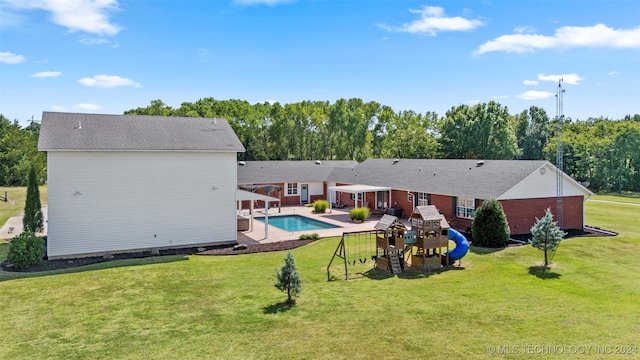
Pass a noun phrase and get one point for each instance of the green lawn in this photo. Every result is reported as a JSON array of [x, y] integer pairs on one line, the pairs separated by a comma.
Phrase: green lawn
[[226, 307], [628, 197], [15, 205]]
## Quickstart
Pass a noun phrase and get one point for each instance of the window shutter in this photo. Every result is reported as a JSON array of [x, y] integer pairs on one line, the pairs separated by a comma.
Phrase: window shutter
[[429, 199], [455, 206], [477, 204]]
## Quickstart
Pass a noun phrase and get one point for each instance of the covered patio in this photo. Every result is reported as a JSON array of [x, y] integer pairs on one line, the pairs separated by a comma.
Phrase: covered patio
[[359, 191], [242, 195]]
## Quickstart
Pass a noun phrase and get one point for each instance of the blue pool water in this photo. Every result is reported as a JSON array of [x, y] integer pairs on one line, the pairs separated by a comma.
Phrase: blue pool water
[[296, 223]]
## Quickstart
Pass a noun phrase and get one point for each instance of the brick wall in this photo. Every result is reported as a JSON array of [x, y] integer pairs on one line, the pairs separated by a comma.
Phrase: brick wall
[[522, 213]]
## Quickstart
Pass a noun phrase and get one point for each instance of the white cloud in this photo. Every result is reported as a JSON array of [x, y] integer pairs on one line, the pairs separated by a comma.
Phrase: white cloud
[[9, 18], [90, 107], [473, 102], [10, 58], [525, 30], [500, 97], [534, 95], [613, 72], [433, 20], [47, 74], [531, 82], [572, 79], [108, 81], [58, 108], [88, 40], [91, 16], [597, 36], [262, 2]]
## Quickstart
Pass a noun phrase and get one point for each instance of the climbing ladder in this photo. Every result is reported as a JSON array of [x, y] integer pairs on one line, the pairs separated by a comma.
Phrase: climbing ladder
[[394, 261]]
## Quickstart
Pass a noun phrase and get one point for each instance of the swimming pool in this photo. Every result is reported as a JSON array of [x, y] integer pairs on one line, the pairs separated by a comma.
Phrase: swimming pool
[[297, 223]]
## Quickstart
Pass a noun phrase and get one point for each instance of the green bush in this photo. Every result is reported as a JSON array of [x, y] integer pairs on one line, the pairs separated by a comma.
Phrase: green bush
[[360, 214], [490, 227], [313, 236], [320, 206], [26, 250]]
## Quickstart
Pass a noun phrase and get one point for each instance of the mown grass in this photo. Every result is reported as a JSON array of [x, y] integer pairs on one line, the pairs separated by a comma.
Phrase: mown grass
[[15, 205], [227, 308], [628, 197]]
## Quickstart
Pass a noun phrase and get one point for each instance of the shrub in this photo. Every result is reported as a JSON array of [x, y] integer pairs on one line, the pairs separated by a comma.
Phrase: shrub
[[360, 214], [320, 206], [313, 236], [26, 250], [490, 227]]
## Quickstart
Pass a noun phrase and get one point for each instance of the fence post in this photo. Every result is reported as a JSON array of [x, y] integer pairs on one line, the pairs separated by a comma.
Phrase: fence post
[[5, 196]]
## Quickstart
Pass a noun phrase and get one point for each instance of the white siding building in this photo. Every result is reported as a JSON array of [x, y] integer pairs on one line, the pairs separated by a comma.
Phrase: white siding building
[[124, 183]]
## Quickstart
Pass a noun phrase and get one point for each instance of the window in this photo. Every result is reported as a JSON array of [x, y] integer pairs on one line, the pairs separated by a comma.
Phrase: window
[[410, 197], [292, 189], [423, 199], [466, 208], [353, 196]]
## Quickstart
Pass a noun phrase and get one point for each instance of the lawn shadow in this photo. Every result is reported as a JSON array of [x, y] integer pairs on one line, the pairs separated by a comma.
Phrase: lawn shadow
[[543, 272], [107, 264], [484, 250], [280, 307], [377, 274]]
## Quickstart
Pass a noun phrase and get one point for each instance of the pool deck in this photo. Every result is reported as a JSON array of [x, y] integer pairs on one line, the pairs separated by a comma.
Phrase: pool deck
[[339, 217]]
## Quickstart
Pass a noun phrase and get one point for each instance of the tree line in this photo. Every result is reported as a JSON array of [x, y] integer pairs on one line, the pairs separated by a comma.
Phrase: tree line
[[599, 151], [602, 152], [18, 151]]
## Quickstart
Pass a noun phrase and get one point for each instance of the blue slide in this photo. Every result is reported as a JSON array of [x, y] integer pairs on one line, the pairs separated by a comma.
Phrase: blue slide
[[462, 246]]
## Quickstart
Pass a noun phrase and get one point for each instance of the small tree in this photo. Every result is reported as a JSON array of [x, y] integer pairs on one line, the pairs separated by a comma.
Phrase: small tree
[[32, 220], [546, 235], [289, 279], [490, 227]]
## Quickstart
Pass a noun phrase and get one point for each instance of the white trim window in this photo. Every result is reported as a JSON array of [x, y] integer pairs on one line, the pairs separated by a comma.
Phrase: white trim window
[[466, 208], [423, 199], [292, 188], [353, 196]]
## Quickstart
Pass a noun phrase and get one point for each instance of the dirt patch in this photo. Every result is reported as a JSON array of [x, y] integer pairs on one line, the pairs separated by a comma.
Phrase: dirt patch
[[49, 265]]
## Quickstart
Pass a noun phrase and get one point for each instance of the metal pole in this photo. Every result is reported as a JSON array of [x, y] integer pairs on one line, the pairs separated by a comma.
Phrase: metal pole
[[266, 219]]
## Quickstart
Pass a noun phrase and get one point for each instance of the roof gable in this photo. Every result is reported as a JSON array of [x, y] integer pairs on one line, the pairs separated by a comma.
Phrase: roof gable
[[98, 132], [542, 183]]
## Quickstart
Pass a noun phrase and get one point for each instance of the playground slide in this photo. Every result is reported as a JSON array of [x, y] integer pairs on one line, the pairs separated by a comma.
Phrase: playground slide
[[462, 246]]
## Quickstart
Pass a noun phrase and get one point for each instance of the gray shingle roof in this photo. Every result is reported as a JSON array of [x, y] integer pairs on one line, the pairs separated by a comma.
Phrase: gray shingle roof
[[96, 132], [441, 176], [260, 172]]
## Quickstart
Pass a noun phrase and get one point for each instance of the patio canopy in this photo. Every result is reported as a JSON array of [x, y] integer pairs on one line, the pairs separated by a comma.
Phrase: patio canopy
[[357, 189], [242, 195]]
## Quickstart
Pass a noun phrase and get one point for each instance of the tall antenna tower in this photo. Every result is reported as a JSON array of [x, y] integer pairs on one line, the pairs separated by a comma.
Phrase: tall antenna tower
[[559, 152]]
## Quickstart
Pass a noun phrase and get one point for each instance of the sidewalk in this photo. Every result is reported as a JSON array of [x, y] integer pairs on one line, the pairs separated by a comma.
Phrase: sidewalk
[[13, 227]]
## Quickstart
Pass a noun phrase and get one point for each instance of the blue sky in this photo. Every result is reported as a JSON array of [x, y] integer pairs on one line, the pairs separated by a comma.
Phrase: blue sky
[[108, 56]]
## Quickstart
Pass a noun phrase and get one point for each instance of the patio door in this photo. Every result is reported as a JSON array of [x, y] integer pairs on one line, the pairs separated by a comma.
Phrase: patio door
[[304, 193], [382, 198]]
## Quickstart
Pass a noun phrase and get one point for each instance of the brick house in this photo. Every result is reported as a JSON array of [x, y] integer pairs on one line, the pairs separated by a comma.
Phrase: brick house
[[525, 188]]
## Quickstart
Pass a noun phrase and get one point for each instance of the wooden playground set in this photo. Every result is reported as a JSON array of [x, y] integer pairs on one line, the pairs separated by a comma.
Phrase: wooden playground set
[[394, 248]]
